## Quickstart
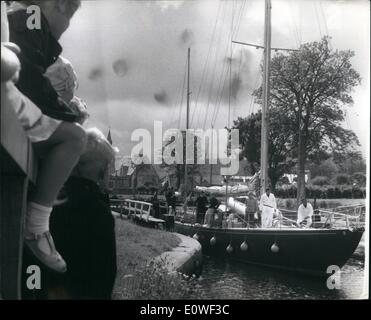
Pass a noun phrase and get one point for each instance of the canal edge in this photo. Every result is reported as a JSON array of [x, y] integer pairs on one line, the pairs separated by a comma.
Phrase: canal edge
[[186, 258]]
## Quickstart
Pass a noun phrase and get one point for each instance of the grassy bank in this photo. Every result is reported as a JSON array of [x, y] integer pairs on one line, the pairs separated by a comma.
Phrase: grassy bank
[[137, 245], [137, 277]]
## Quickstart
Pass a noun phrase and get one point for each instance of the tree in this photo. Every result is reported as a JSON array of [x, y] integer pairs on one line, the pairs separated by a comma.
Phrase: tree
[[327, 168], [279, 151], [312, 88], [178, 170], [350, 162]]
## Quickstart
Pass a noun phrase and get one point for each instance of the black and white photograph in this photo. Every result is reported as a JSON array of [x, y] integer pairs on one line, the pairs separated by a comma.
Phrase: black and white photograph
[[185, 150]]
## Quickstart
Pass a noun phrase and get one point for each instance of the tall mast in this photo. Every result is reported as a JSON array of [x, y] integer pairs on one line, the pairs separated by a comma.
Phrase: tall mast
[[265, 109], [187, 122], [211, 154]]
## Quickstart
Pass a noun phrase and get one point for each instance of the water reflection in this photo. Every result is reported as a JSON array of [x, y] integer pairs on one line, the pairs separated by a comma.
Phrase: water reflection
[[232, 280]]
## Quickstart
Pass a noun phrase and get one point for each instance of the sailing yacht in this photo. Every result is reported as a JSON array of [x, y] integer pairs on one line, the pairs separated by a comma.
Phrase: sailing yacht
[[315, 250]]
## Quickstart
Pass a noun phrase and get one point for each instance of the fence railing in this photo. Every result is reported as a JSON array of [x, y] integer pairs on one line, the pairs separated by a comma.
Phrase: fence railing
[[138, 209]]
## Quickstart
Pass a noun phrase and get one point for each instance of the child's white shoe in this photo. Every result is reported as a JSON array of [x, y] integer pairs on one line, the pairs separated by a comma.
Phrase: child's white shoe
[[43, 248]]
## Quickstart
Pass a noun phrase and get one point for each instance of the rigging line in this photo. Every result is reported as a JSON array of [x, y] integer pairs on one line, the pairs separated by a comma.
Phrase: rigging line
[[234, 33], [323, 17], [300, 23], [230, 72], [220, 90], [213, 76], [325, 23], [218, 103], [240, 62], [294, 25], [206, 63], [317, 18], [238, 77], [239, 18], [217, 45], [178, 97], [181, 102], [215, 71], [252, 102], [252, 97]]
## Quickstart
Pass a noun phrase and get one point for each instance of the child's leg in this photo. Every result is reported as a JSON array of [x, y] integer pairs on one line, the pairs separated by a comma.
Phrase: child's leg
[[64, 148], [62, 152]]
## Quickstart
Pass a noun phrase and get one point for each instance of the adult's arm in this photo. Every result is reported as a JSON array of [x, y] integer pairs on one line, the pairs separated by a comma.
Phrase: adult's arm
[[32, 81]]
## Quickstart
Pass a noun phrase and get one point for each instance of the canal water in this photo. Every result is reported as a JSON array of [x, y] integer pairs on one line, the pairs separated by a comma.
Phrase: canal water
[[233, 280]]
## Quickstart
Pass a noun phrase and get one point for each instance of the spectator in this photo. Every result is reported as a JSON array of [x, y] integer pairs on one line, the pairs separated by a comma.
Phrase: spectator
[[156, 205], [201, 207], [59, 144], [171, 201], [83, 226]]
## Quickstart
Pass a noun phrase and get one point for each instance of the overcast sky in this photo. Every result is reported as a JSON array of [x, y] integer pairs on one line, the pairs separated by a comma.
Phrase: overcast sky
[[130, 58]]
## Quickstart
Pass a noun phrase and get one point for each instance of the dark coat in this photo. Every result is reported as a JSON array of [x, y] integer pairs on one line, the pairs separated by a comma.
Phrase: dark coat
[[84, 233], [39, 50], [201, 203]]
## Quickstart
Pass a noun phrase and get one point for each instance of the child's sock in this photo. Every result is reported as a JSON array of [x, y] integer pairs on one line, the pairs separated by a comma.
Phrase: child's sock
[[37, 218]]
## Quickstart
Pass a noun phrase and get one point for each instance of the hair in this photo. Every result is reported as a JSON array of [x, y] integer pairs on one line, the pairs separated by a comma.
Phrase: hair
[[214, 203], [72, 5]]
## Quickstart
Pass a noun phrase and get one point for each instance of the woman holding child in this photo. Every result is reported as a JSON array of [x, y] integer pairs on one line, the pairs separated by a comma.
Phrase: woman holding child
[[40, 86], [50, 122]]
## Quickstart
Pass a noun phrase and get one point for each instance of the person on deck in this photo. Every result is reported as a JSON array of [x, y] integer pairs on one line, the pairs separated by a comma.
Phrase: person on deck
[[201, 207], [213, 219], [268, 206], [305, 213], [251, 208]]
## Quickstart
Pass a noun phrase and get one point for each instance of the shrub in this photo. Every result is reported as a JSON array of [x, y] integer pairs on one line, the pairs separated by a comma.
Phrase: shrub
[[323, 192], [359, 178], [320, 181], [156, 282], [342, 179]]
